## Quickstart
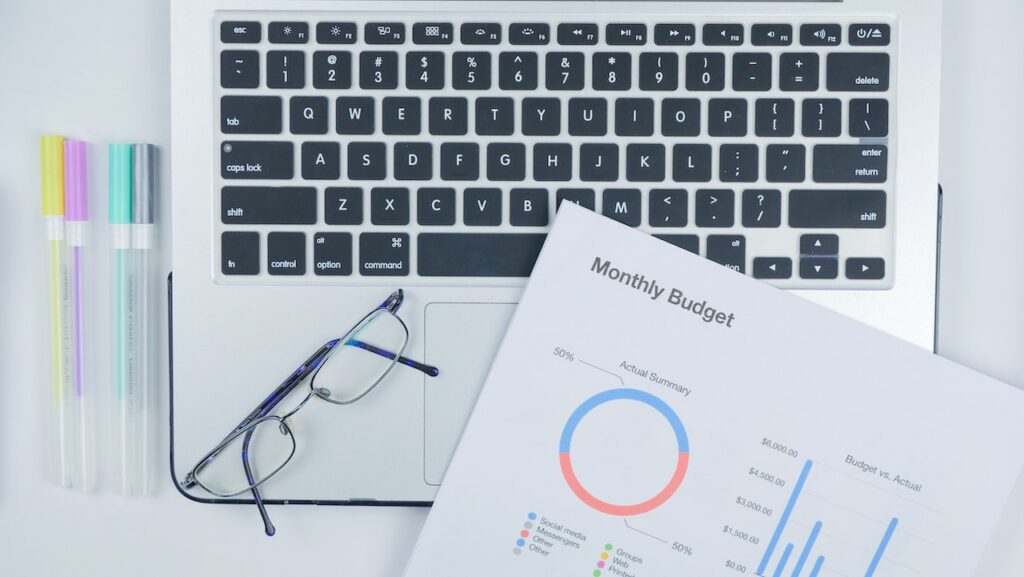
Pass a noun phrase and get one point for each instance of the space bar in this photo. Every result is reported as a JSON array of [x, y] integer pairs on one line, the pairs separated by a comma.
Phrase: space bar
[[477, 254]]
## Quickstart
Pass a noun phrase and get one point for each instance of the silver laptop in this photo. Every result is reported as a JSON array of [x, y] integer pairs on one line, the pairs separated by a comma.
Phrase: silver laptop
[[327, 153]]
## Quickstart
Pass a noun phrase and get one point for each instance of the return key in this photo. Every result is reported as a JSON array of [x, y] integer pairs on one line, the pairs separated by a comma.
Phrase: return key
[[850, 163]]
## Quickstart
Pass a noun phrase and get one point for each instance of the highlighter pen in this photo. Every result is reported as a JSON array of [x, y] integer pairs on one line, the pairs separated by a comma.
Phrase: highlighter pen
[[120, 217]]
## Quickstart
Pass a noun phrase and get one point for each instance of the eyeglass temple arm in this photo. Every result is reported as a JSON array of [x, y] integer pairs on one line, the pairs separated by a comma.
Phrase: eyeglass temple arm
[[268, 525], [430, 370]]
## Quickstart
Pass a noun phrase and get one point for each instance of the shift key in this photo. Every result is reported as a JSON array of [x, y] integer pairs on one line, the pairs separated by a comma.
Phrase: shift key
[[257, 160], [837, 208], [850, 163]]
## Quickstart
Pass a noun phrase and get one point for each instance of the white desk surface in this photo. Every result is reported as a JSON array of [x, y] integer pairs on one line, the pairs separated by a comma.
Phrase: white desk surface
[[99, 70]]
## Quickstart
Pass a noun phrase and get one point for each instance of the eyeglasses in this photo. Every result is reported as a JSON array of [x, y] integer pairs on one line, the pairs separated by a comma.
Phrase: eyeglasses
[[341, 372]]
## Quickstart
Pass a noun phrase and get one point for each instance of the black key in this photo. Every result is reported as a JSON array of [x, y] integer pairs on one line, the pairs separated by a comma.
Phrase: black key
[[612, 71], [689, 242], [634, 117], [785, 163], [822, 117], [239, 69], [480, 254], [414, 161], [869, 117], [751, 71], [528, 207], [738, 163], [433, 33], [857, 72], [332, 69], [865, 268], [495, 116], [837, 208], [481, 207], [850, 163], [257, 160], [768, 267], [400, 115], [286, 69], [622, 204], [530, 34], [625, 34], [286, 253], [321, 160], [771, 34], [821, 34], [819, 268], [384, 32], [449, 116], [336, 33], [354, 115], [674, 34], [435, 206], [480, 33], [268, 205], [774, 117], [367, 161], [552, 162], [517, 70], [581, 196], [506, 161], [577, 34], [819, 244], [288, 32], [705, 71], [343, 205], [691, 162], [666, 207], [542, 116], [378, 70], [250, 114], [307, 115], [599, 162], [728, 250], [869, 35], [659, 71], [563, 71], [247, 32], [424, 70], [389, 206], [240, 253], [332, 254], [588, 117], [798, 72], [645, 162], [715, 208], [762, 208], [471, 70], [722, 34], [384, 254], [680, 117], [727, 117], [460, 161]]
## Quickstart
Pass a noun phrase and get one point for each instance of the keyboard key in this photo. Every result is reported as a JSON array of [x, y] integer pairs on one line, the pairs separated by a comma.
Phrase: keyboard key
[[857, 72], [722, 34], [384, 254], [435, 206], [634, 117], [599, 162], [449, 116], [308, 115], [705, 71], [580, 196], [552, 162], [850, 163], [577, 34], [865, 268], [774, 117], [728, 250], [689, 242], [286, 69], [480, 33], [384, 33], [528, 207], [738, 163], [336, 33], [674, 34], [680, 117], [432, 33], [239, 69], [821, 34], [332, 254], [645, 162], [727, 117], [332, 69], [367, 161], [667, 207], [822, 117], [257, 160], [268, 205], [819, 268], [659, 71], [588, 117], [481, 207], [517, 70], [343, 205], [413, 161], [542, 116], [460, 161], [400, 115], [389, 206], [768, 267], [321, 160], [286, 253], [869, 118], [612, 71], [837, 208], [798, 72], [622, 204], [715, 208], [785, 163], [771, 34], [762, 208], [751, 71], [869, 35], [531, 34], [250, 114], [480, 254], [248, 32], [378, 70], [563, 71], [424, 70], [691, 162], [354, 115], [288, 32], [625, 34], [819, 244], [471, 70], [240, 253], [506, 161]]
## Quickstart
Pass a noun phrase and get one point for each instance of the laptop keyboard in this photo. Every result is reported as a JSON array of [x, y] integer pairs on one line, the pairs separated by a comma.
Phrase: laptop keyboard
[[355, 146]]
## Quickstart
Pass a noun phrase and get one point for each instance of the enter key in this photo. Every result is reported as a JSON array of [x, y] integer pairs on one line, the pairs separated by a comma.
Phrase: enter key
[[850, 163]]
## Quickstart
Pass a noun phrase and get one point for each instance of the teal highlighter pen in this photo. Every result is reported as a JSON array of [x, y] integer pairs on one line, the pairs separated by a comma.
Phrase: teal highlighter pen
[[120, 218]]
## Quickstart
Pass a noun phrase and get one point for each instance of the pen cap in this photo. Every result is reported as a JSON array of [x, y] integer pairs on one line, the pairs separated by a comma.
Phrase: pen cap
[[76, 189], [51, 153], [144, 179], [120, 187]]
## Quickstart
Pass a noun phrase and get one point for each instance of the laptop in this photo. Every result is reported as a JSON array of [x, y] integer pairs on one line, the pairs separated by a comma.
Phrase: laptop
[[326, 153]]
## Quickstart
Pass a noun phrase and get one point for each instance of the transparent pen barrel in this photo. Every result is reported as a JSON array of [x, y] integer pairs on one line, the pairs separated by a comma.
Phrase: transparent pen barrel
[[79, 396], [60, 350]]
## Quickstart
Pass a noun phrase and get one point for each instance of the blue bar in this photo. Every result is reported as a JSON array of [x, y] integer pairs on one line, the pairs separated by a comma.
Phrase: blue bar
[[807, 549], [784, 518], [881, 547], [817, 566], [783, 559]]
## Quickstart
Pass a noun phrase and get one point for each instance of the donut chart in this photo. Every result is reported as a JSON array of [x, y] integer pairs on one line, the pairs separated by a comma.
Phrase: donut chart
[[618, 509]]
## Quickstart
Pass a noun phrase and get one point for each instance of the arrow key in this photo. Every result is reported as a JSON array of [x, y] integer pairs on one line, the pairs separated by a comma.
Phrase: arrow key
[[819, 244], [819, 268], [770, 267], [865, 268], [577, 34]]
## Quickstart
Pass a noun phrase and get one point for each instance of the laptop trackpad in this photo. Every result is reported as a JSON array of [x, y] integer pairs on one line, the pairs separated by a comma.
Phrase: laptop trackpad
[[461, 340]]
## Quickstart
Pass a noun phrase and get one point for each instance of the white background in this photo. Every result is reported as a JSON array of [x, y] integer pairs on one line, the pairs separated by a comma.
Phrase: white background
[[98, 70]]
